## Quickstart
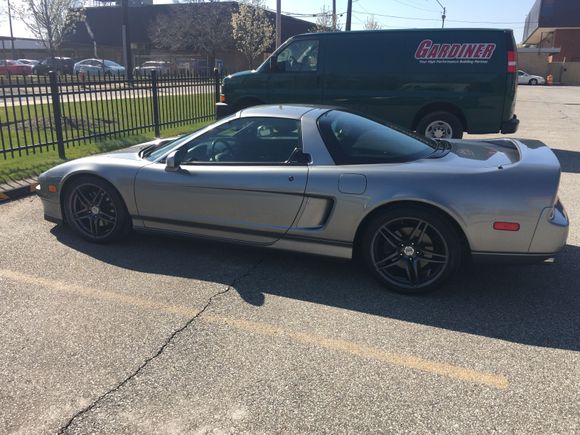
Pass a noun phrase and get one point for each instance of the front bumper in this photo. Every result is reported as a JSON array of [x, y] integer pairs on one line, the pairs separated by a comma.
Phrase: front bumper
[[222, 110], [510, 126], [51, 205]]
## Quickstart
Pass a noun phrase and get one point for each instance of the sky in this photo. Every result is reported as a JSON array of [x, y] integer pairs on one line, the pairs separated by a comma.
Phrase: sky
[[392, 14]]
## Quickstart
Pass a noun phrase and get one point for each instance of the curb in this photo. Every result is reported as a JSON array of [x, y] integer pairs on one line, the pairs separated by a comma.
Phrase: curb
[[17, 189]]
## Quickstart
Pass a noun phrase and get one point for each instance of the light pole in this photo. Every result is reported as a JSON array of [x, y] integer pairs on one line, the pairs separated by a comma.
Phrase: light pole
[[443, 16], [11, 34]]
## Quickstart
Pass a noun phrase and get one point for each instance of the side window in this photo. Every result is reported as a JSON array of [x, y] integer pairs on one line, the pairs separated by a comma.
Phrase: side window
[[246, 140], [299, 56]]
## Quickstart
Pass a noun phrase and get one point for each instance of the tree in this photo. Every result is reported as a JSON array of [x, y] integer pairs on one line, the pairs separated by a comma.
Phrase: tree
[[324, 21], [50, 20], [372, 24], [203, 28], [252, 30]]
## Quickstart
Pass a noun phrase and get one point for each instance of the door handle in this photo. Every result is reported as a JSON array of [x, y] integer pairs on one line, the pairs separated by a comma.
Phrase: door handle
[[291, 178]]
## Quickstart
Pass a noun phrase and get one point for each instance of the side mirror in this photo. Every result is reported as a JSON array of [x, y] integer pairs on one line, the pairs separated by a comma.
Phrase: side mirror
[[173, 160], [299, 157]]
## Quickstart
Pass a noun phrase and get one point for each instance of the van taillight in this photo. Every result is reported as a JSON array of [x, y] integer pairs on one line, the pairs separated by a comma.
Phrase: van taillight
[[512, 62]]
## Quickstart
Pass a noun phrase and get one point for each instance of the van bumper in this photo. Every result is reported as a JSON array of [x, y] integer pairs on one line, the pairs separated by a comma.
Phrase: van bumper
[[222, 110], [510, 126]]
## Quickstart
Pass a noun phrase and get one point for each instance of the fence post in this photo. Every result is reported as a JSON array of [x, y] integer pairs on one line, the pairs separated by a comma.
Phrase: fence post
[[57, 114], [154, 91], [216, 79]]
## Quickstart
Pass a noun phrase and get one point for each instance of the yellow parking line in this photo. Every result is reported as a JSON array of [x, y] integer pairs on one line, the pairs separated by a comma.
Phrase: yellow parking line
[[349, 347]]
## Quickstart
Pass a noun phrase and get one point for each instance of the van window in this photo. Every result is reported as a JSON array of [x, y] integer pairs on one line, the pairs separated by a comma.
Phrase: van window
[[301, 55]]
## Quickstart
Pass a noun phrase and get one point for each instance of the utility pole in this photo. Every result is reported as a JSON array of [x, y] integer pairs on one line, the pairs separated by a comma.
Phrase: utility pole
[[278, 23], [348, 15], [11, 33], [334, 15]]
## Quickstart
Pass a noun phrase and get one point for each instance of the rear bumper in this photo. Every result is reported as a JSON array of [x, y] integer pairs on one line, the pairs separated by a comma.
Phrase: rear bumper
[[552, 230], [549, 238], [510, 126], [222, 110]]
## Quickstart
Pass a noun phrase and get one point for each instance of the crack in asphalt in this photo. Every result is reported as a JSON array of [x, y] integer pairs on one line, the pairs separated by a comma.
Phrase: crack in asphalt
[[166, 343]]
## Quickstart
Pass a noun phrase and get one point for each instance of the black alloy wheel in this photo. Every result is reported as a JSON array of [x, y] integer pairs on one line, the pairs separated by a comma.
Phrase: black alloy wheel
[[95, 210], [411, 250]]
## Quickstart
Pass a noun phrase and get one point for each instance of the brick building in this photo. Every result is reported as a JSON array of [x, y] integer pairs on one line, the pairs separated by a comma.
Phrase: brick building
[[555, 24]]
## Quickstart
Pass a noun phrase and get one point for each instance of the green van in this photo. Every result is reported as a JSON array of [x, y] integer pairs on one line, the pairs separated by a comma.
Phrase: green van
[[438, 82]]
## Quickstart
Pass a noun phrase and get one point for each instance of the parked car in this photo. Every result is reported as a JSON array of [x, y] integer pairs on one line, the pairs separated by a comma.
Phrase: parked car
[[161, 67], [325, 181], [30, 62], [96, 67], [61, 65], [438, 82], [14, 67], [529, 79]]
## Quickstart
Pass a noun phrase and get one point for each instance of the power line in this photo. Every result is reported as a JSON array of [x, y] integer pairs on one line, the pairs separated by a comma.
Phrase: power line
[[437, 19]]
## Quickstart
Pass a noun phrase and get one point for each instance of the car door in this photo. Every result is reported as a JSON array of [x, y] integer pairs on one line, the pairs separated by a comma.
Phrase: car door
[[294, 75], [236, 181]]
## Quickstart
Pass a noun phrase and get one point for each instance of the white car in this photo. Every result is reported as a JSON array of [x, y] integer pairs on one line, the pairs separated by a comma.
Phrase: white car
[[95, 67], [529, 79]]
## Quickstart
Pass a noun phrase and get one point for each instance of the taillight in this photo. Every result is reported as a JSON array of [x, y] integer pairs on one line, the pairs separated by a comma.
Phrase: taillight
[[512, 62], [506, 226]]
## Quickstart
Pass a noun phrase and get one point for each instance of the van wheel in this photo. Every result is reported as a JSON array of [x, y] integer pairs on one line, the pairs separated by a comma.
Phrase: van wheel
[[440, 125]]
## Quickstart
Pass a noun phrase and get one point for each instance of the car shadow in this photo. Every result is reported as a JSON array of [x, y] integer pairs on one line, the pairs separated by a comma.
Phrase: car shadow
[[569, 160], [529, 304]]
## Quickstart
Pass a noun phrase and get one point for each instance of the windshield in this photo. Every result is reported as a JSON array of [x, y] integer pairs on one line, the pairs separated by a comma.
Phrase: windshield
[[111, 63], [163, 149], [352, 139]]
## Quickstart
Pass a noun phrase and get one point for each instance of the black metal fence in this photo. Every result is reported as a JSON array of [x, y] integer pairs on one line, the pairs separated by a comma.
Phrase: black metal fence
[[44, 113]]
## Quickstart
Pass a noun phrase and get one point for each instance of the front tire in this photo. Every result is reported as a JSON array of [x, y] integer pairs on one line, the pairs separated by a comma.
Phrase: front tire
[[95, 210], [411, 249], [440, 125], [533, 82]]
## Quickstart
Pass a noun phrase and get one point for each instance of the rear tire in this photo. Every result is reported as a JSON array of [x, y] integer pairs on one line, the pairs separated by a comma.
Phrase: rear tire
[[440, 125], [411, 249], [95, 210]]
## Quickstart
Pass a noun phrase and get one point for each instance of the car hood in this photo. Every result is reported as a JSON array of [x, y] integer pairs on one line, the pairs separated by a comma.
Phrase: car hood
[[129, 156]]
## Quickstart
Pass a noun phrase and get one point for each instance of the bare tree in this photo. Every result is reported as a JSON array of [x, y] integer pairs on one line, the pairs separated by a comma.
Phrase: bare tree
[[372, 24], [252, 30], [205, 28], [50, 20], [324, 21]]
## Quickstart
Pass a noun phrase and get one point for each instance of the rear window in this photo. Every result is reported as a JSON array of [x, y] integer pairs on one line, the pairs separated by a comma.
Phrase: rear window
[[352, 139]]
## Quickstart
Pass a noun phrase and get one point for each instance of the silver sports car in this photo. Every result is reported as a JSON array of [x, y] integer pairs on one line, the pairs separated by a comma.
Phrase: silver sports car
[[325, 181]]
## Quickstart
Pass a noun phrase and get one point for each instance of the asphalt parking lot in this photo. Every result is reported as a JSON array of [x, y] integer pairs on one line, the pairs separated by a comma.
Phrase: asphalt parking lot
[[160, 335]]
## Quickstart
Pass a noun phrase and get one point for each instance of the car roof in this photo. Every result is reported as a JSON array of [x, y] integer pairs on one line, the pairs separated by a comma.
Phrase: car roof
[[292, 111]]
